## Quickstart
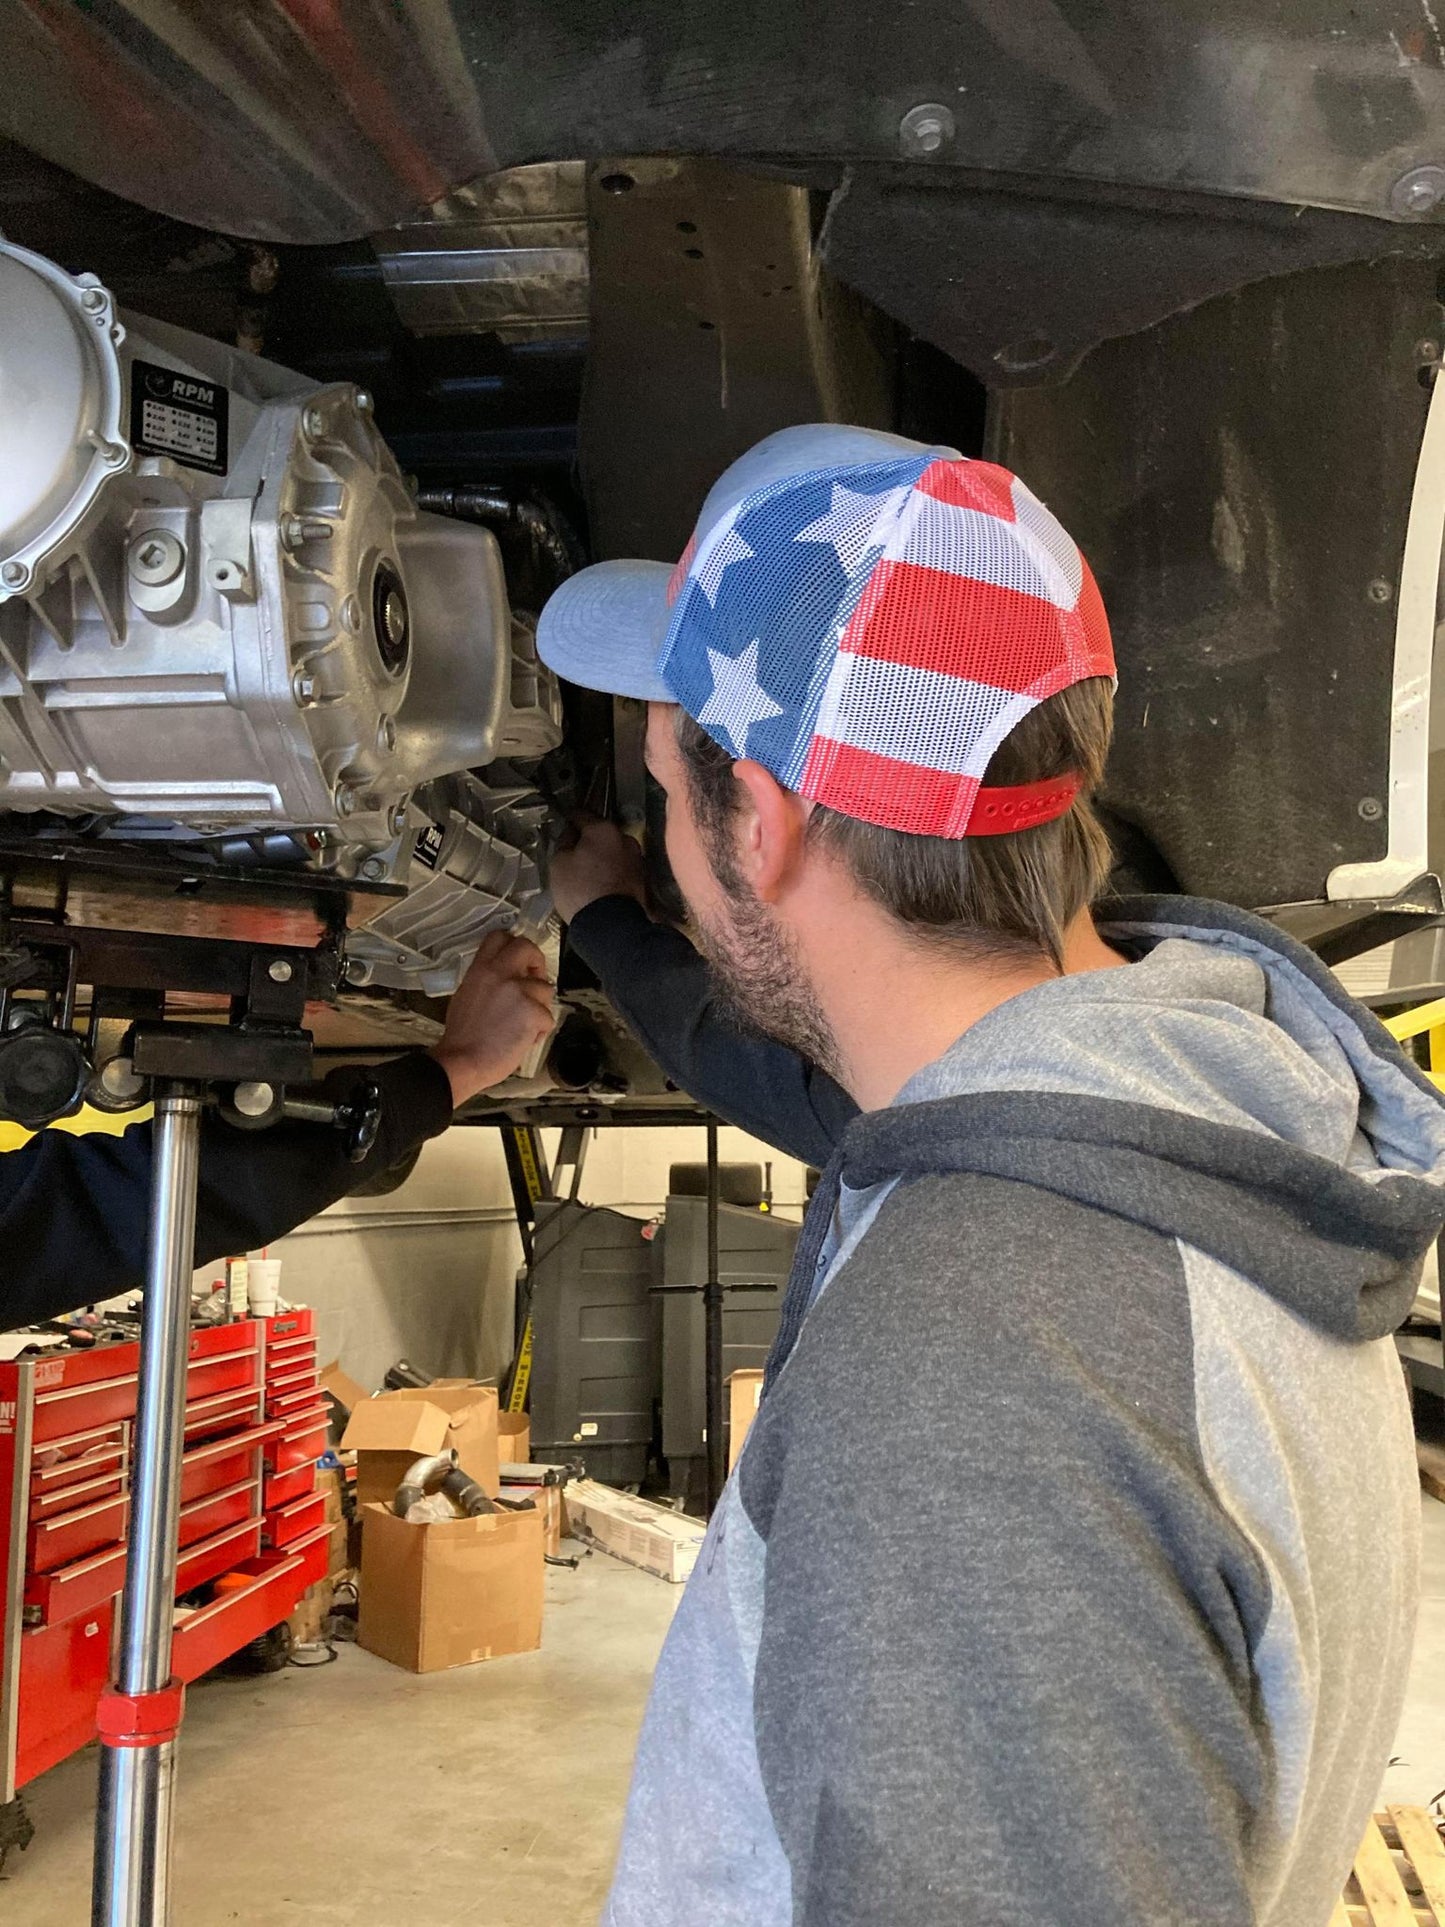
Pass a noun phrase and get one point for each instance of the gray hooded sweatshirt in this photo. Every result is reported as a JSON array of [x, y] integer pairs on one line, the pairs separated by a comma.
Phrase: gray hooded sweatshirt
[[1068, 1574]]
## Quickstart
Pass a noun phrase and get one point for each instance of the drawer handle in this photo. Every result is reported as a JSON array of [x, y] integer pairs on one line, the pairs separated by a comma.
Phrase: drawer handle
[[198, 1359], [237, 1531], [214, 1498], [67, 1573], [299, 1423], [74, 1491], [98, 1465], [86, 1512], [110, 1433], [249, 1440], [84, 1391]]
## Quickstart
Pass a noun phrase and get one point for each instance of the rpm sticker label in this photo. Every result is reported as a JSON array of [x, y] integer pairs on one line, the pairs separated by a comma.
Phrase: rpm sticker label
[[429, 845], [178, 415]]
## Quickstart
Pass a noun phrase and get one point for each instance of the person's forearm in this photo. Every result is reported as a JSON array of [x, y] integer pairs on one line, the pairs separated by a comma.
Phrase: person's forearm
[[74, 1211], [664, 991], [256, 1186]]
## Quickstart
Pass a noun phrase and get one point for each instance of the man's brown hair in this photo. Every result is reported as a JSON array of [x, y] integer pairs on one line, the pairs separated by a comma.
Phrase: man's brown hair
[[988, 895]]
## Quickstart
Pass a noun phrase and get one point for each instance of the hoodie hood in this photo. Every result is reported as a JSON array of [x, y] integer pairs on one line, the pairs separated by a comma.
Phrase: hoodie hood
[[1223, 1089]]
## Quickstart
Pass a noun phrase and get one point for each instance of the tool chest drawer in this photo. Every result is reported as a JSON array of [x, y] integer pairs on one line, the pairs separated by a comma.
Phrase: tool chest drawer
[[286, 1326], [291, 1521], [62, 1673], [290, 1355], [315, 1551], [208, 1634], [222, 1413], [53, 1596], [77, 1459], [210, 1514], [48, 1504], [302, 1442], [77, 1534], [223, 1368], [217, 1463], [200, 1564], [295, 1378], [69, 1400], [292, 1405], [282, 1487]]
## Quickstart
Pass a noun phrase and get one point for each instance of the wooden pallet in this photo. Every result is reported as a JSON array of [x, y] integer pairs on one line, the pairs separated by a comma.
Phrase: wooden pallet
[[1399, 1876]]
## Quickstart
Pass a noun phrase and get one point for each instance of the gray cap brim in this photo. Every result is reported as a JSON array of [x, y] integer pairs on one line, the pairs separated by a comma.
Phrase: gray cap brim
[[605, 626]]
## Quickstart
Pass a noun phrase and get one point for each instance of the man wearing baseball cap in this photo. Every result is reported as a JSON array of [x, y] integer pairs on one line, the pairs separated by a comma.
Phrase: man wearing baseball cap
[[1068, 1573]]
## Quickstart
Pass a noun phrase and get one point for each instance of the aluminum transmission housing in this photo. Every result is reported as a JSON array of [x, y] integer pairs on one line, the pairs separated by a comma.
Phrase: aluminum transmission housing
[[219, 606]]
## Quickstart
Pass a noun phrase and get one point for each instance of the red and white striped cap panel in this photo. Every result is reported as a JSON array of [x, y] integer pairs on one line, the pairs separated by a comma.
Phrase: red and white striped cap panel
[[975, 576], [940, 722], [884, 790], [1051, 536]]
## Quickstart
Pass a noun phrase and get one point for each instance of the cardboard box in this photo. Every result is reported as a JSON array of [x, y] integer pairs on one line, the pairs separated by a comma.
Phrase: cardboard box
[[745, 1390], [392, 1431], [331, 1483], [471, 1425], [342, 1387], [651, 1536], [388, 1435], [550, 1503], [450, 1593], [514, 1438]]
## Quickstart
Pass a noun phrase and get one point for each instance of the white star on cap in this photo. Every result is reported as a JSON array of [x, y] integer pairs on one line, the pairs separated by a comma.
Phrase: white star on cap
[[725, 546], [849, 524], [738, 699]]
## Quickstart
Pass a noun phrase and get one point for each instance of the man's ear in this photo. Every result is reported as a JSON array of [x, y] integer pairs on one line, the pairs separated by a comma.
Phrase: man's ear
[[771, 826]]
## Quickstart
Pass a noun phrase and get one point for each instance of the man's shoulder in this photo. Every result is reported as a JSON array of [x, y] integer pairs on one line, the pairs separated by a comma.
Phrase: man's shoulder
[[995, 1294], [983, 1329], [961, 1250]]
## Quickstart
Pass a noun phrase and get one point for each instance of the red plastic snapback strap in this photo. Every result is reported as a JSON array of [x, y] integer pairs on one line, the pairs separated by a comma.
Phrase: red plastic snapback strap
[[1022, 806]]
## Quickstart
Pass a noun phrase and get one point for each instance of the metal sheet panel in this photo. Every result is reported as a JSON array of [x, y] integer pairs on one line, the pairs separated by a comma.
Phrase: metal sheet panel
[[1241, 478], [303, 121]]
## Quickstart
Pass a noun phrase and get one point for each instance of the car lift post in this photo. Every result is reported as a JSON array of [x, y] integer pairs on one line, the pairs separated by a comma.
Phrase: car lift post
[[140, 1714], [275, 945]]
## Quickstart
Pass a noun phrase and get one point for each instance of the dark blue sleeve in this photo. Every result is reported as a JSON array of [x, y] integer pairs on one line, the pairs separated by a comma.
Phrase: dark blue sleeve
[[74, 1210], [663, 989]]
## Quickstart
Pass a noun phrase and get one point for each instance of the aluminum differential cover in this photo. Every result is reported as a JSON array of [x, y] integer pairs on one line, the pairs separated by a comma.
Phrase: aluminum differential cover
[[60, 407]]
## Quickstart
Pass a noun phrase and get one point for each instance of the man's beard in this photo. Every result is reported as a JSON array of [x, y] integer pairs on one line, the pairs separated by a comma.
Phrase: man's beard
[[761, 977]]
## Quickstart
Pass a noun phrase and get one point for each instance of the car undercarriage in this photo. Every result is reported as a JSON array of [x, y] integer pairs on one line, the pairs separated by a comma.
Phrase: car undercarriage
[[335, 337]]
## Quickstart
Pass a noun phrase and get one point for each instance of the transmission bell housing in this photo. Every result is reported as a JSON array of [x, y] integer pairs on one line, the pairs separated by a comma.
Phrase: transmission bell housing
[[224, 620]]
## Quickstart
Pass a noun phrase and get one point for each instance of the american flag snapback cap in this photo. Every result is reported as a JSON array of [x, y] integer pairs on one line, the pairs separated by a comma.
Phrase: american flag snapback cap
[[866, 617]]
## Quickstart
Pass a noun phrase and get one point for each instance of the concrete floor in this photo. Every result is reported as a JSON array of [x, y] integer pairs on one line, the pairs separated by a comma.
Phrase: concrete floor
[[360, 1796]]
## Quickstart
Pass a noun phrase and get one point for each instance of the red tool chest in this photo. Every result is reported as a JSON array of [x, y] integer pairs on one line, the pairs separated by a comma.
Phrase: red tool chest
[[255, 1425]]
